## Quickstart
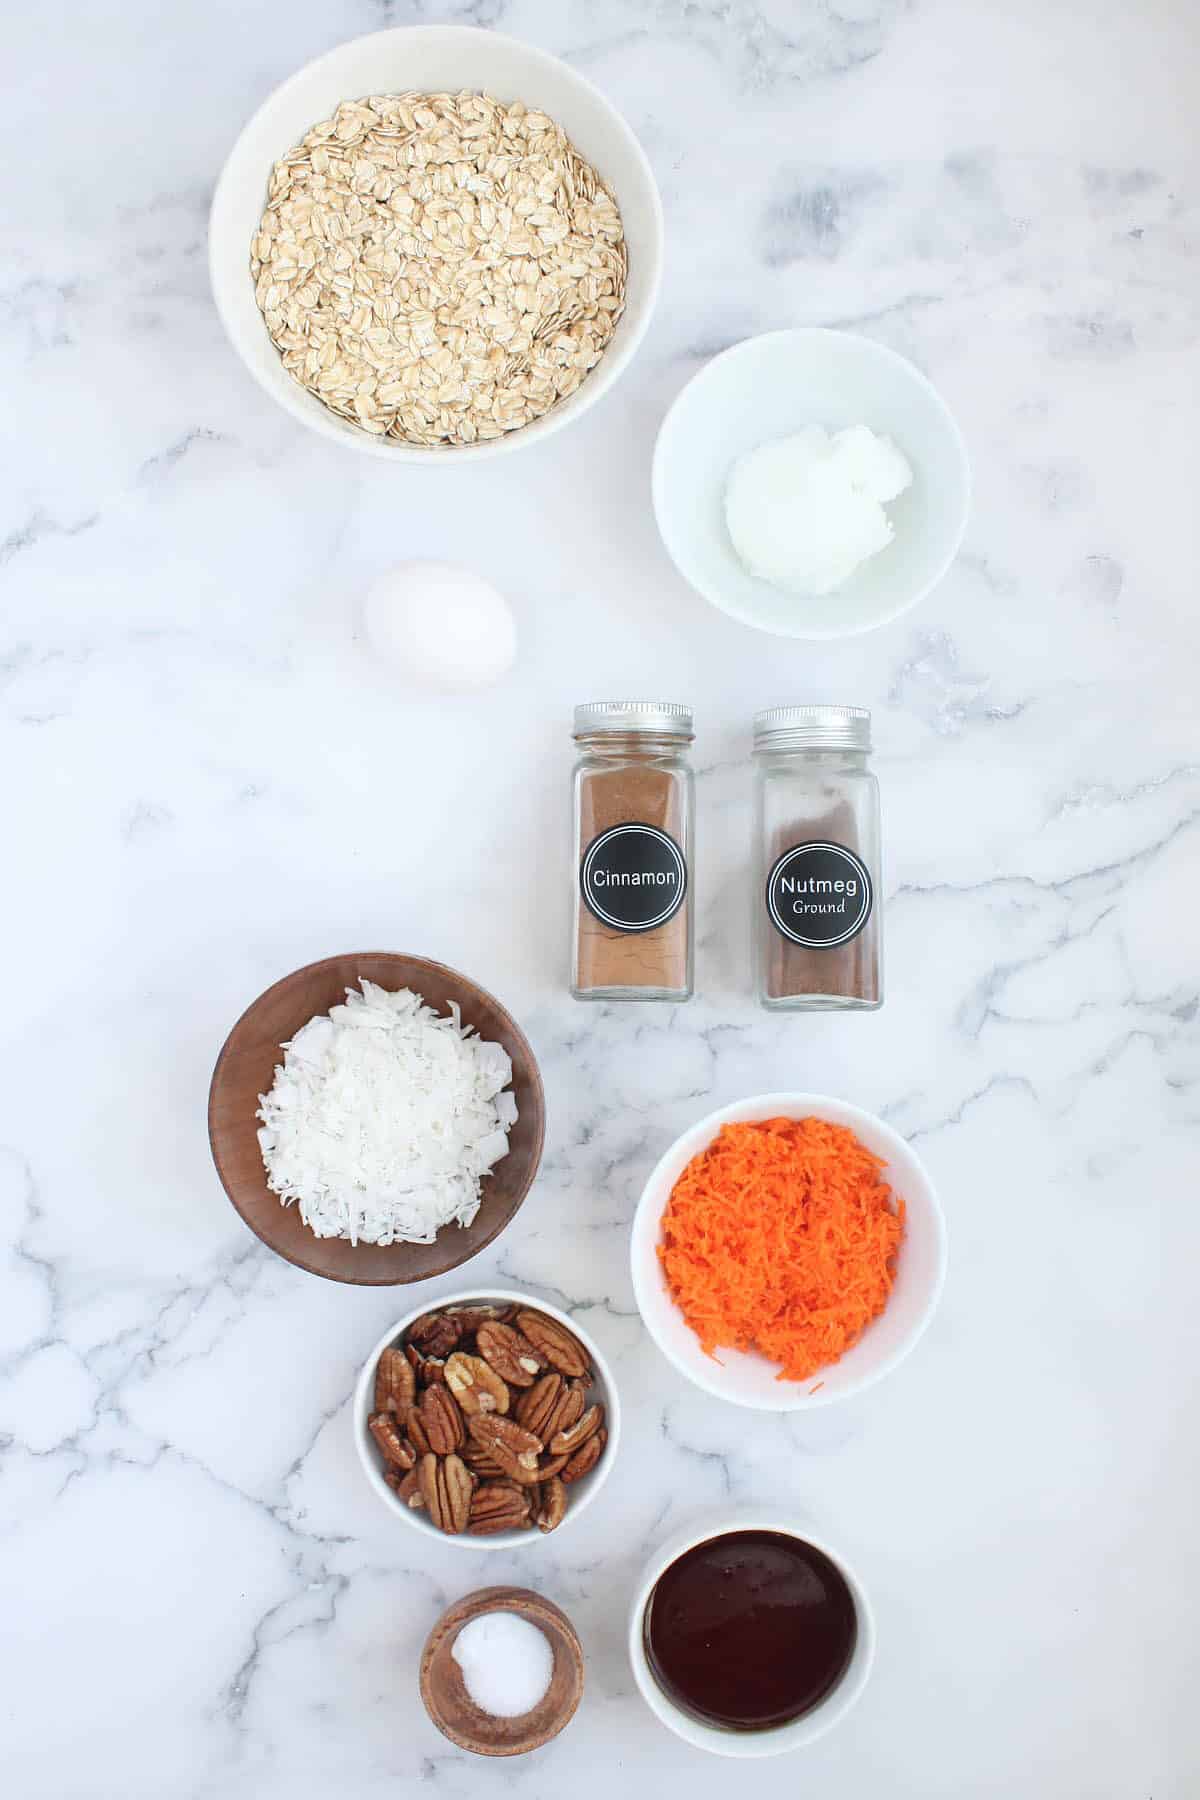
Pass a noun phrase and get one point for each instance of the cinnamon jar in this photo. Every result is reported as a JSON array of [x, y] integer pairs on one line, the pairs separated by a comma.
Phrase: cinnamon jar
[[818, 891], [633, 851]]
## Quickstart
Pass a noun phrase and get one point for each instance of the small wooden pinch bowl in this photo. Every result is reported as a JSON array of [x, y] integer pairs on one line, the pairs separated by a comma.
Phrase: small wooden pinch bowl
[[246, 1068], [445, 1695]]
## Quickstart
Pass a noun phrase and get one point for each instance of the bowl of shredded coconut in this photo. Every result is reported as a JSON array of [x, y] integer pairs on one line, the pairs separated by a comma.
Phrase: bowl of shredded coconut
[[377, 1118]]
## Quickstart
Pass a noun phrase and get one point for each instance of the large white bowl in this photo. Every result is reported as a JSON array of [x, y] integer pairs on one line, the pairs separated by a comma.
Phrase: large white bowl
[[744, 1377], [769, 387], [580, 1494], [431, 58], [779, 1738]]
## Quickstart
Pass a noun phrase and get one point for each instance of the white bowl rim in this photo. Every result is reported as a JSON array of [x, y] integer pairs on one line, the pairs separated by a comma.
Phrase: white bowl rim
[[788, 1103], [776, 1740], [611, 364], [360, 1410], [886, 354]]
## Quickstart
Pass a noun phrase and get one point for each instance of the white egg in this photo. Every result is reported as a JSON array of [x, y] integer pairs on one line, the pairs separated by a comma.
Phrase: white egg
[[441, 625]]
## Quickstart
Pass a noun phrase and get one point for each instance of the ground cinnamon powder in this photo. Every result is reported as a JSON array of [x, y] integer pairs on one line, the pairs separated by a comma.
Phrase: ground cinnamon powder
[[634, 778], [640, 959]]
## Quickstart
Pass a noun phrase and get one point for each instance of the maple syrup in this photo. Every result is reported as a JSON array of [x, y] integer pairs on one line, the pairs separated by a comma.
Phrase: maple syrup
[[750, 1630]]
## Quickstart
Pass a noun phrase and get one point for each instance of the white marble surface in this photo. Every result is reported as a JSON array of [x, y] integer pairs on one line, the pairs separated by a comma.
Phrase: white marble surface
[[208, 784]]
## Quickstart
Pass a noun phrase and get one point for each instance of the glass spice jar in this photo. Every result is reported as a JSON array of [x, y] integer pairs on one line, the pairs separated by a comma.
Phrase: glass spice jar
[[819, 904], [633, 851]]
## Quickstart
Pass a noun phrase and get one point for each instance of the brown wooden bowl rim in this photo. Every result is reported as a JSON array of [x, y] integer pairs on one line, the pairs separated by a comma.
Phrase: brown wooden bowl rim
[[528, 1604], [454, 976]]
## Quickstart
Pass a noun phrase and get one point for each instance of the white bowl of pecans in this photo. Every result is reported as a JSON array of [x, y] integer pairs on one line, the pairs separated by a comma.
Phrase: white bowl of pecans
[[436, 242], [491, 1419]]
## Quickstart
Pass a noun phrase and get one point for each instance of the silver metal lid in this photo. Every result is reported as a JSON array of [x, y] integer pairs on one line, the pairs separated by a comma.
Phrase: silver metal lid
[[813, 728], [663, 716]]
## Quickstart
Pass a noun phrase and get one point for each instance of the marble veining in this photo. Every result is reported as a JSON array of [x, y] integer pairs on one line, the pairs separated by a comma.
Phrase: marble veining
[[211, 783]]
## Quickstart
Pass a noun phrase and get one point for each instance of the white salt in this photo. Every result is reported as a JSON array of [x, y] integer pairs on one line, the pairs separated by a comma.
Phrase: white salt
[[506, 1663], [804, 512]]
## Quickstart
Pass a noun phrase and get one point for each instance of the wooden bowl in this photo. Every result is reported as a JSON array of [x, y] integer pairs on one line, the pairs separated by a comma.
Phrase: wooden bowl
[[450, 1706], [246, 1068]]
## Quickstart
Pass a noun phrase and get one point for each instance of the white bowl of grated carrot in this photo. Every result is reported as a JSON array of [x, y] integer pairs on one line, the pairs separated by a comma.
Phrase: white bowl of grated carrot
[[799, 1227]]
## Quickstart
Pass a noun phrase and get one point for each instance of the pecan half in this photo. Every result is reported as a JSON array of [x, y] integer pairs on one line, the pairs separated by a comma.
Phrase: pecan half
[[470, 1318], [395, 1383], [512, 1356], [499, 1506], [554, 1344], [398, 1453], [414, 1425], [475, 1384], [442, 1420], [481, 1461], [567, 1442], [446, 1486], [406, 1487], [552, 1505], [514, 1448], [538, 1405], [550, 1466], [435, 1333], [586, 1457], [568, 1409], [426, 1369], [549, 1406]]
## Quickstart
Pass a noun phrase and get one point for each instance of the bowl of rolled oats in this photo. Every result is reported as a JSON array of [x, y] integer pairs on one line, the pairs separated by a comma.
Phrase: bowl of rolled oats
[[436, 242]]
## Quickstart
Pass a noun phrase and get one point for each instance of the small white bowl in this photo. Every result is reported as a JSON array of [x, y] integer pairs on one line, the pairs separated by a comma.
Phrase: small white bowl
[[770, 387], [580, 1493], [430, 58], [780, 1738], [744, 1377]]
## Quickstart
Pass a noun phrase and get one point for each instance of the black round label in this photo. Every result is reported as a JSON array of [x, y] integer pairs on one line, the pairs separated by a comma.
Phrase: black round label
[[633, 877], [819, 895]]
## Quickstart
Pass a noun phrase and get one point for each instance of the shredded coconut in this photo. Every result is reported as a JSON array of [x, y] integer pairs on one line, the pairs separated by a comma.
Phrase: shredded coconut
[[384, 1117]]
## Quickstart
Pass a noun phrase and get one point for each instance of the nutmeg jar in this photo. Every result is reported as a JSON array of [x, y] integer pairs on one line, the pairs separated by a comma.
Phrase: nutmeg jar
[[818, 900], [633, 851]]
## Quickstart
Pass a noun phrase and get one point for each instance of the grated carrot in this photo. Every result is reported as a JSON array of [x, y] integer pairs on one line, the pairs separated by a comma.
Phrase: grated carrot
[[782, 1237]]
